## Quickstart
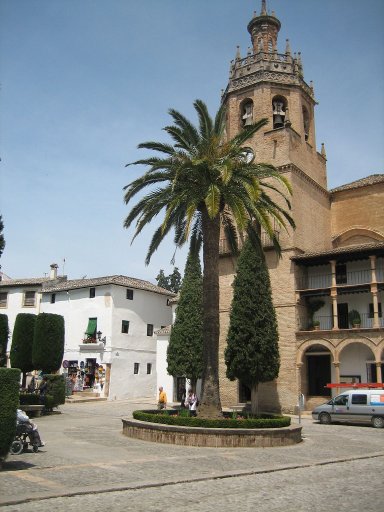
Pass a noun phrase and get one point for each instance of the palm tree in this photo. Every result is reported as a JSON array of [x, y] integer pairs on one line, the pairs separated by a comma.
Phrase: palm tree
[[208, 183]]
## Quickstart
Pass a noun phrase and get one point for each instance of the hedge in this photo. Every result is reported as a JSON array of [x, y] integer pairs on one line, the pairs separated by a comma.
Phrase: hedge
[[171, 418], [48, 342], [56, 391], [29, 399], [9, 400]]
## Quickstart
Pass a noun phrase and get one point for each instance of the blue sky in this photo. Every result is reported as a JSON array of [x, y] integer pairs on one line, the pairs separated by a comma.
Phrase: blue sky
[[84, 81]]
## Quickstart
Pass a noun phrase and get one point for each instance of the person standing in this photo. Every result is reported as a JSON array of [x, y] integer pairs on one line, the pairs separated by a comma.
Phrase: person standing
[[43, 388], [192, 402], [162, 403]]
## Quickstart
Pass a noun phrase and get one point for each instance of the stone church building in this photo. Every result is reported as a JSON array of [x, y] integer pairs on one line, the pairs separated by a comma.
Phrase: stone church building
[[331, 272]]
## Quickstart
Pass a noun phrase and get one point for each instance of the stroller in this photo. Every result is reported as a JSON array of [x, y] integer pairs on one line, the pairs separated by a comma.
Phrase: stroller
[[23, 438]]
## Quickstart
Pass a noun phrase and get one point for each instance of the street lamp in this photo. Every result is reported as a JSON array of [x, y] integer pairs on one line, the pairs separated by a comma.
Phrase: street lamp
[[103, 340]]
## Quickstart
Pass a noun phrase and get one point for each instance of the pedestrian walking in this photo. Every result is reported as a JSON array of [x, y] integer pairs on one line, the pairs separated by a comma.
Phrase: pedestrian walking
[[162, 403]]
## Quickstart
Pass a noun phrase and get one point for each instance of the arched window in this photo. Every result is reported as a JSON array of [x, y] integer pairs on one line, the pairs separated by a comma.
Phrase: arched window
[[279, 105], [306, 123], [246, 112], [270, 45]]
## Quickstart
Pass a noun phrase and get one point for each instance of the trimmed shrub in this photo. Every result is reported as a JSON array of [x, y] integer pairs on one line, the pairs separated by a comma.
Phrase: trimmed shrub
[[29, 399], [171, 418], [48, 342], [9, 400], [4, 335], [22, 341], [56, 391]]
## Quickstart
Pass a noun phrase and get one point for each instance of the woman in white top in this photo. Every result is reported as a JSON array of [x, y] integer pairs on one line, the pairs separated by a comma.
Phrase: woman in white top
[[192, 402]]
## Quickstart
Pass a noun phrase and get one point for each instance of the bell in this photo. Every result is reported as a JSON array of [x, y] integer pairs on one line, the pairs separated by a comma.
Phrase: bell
[[248, 121], [278, 121]]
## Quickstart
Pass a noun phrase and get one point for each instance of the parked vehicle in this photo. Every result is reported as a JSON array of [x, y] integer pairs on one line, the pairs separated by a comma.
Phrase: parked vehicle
[[354, 406]]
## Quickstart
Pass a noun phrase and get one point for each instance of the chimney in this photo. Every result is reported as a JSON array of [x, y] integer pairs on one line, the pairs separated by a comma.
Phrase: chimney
[[53, 273]]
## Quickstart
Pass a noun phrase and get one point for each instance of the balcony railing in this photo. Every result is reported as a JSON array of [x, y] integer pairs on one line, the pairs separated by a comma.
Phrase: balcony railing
[[357, 277], [326, 322]]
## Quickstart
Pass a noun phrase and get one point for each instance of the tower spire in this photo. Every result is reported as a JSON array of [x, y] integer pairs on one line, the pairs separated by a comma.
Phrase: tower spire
[[263, 7]]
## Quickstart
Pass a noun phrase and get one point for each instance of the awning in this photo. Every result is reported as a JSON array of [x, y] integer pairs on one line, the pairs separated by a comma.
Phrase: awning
[[92, 326]]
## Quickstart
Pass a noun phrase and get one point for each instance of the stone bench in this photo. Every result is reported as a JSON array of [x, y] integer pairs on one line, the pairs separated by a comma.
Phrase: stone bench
[[33, 410]]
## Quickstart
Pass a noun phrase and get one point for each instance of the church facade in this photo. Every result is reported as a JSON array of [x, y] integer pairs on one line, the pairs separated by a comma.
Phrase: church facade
[[331, 272]]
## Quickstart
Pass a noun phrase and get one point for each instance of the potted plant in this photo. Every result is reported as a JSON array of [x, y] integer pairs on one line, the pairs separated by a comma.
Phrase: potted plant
[[314, 306], [354, 318]]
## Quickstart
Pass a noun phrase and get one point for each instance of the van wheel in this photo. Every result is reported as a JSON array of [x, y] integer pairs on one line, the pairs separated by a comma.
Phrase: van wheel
[[378, 421], [325, 418]]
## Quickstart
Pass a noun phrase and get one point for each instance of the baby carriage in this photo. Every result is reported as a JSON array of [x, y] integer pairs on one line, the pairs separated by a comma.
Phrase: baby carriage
[[23, 438]]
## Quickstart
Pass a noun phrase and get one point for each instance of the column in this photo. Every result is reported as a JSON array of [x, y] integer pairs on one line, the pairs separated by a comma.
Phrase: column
[[336, 364], [334, 296], [376, 320], [379, 376]]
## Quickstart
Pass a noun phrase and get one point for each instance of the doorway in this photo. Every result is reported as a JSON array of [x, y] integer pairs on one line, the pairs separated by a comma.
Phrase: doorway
[[342, 315], [319, 374]]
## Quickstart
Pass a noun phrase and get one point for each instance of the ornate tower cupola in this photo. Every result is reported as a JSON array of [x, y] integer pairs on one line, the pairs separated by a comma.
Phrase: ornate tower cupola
[[264, 30], [267, 84]]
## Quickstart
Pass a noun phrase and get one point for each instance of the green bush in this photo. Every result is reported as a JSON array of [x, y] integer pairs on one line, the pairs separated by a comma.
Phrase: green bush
[[55, 392], [9, 400], [49, 402], [48, 342], [29, 399], [171, 418], [22, 341]]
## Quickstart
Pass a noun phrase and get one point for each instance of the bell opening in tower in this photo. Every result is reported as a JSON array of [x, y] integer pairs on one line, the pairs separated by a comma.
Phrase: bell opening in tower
[[279, 105]]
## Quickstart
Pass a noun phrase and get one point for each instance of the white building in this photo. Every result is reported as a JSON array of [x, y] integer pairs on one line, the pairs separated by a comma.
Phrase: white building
[[109, 326]]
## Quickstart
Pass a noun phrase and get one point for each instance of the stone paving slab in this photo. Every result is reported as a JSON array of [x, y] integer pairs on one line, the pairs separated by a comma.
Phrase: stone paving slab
[[86, 452]]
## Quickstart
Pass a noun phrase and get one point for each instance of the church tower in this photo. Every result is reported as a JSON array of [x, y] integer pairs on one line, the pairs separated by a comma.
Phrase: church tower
[[266, 83]]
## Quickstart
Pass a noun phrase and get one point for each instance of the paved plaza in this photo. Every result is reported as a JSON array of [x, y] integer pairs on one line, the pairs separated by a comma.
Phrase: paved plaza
[[87, 462]]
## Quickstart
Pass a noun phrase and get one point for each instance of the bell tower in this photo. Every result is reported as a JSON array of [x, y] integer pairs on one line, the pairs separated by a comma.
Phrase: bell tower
[[269, 84]]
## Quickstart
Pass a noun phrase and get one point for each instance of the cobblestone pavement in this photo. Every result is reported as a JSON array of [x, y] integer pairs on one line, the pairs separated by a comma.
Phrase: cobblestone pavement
[[88, 462]]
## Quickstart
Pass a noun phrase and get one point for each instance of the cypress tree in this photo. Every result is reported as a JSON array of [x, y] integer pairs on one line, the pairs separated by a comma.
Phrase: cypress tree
[[48, 342], [22, 342], [184, 355], [9, 401], [4, 335], [252, 353]]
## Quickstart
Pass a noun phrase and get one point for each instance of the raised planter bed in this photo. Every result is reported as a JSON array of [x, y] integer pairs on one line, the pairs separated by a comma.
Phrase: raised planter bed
[[212, 437]]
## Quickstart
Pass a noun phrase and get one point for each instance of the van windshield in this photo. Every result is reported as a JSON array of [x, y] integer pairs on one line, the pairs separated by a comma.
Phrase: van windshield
[[340, 400]]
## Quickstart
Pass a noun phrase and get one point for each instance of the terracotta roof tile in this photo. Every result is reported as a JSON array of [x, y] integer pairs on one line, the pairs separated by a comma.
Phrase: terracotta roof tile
[[119, 280], [363, 182], [350, 249]]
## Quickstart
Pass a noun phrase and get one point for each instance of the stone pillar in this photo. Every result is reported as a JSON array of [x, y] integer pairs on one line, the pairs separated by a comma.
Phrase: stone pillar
[[334, 296], [379, 376], [374, 291], [336, 364]]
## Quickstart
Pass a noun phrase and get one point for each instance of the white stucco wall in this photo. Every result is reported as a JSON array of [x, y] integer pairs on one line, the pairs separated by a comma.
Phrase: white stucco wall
[[110, 306]]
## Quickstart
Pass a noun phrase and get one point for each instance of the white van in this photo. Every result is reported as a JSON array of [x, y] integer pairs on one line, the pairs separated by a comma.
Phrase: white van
[[354, 406]]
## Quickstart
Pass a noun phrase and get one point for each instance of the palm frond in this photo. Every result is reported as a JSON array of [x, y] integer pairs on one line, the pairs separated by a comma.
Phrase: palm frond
[[188, 128], [205, 121]]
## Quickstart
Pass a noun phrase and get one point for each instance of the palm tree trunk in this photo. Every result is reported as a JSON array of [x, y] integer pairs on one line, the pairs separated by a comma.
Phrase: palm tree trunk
[[255, 399], [210, 406]]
